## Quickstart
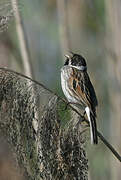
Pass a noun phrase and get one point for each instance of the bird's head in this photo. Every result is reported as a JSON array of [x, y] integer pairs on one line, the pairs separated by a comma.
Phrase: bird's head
[[76, 61]]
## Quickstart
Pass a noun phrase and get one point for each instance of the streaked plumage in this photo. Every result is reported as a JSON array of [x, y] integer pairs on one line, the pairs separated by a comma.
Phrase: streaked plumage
[[78, 89]]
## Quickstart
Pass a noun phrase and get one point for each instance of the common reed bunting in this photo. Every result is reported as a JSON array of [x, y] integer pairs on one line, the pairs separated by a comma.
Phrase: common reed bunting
[[78, 89]]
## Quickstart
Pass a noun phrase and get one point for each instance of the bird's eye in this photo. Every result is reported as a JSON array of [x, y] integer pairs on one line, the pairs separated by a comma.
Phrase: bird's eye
[[66, 62]]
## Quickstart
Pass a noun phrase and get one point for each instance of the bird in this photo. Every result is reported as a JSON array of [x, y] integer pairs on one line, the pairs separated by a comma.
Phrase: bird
[[78, 89]]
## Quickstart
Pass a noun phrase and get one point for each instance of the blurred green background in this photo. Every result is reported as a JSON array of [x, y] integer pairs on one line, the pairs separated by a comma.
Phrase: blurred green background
[[93, 30]]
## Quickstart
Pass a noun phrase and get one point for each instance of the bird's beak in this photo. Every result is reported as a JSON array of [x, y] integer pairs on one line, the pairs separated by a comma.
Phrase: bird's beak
[[67, 56], [70, 55]]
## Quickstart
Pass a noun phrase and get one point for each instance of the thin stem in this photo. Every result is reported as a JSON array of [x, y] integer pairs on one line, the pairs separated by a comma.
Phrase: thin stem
[[109, 146], [22, 40]]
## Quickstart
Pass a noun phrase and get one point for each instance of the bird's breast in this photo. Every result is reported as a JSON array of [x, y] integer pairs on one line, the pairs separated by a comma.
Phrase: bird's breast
[[65, 76]]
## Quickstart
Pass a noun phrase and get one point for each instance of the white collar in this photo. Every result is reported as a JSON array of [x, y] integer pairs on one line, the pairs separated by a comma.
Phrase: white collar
[[81, 68]]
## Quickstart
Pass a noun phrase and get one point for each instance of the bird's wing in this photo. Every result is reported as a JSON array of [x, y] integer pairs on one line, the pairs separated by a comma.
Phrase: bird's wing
[[81, 86]]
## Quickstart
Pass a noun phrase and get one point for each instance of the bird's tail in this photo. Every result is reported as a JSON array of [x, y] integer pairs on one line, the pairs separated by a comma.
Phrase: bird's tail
[[93, 126]]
